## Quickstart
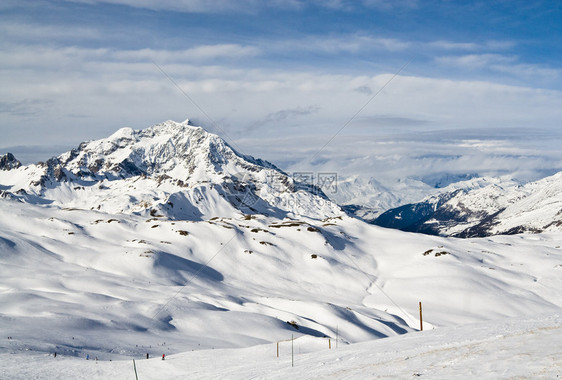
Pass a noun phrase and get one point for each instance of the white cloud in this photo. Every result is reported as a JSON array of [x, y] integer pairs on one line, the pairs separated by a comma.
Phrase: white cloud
[[198, 53], [471, 46], [85, 60], [219, 6], [357, 43], [529, 70], [504, 64], [17, 30], [25, 107], [418, 154], [476, 61], [194, 6], [409, 128], [450, 45], [283, 98]]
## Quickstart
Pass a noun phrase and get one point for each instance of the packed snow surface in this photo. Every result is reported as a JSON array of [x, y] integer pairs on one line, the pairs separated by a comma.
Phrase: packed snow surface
[[527, 348]]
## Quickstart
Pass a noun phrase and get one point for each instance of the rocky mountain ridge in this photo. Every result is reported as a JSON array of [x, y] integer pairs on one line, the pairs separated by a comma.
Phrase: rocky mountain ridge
[[172, 169], [496, 209]]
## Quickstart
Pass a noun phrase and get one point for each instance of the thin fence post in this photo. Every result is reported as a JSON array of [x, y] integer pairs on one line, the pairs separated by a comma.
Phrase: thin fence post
[[277, 349], [135, 368], [292, 351], [421, 320], [329, 344]]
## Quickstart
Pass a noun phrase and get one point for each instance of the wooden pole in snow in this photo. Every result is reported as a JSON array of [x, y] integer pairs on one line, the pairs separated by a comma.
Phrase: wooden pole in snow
[[421, 320], [292, 351], [135, 367]]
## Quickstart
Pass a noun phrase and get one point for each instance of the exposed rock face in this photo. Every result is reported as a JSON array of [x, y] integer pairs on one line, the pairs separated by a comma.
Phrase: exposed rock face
[[9, 162]]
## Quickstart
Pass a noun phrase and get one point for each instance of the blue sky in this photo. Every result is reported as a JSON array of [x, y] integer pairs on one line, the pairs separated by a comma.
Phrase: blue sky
[[481, 91]]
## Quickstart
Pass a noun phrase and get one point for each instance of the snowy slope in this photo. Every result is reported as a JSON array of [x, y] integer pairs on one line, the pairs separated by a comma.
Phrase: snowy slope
[[499, 208], [79, 281], [528, 348]]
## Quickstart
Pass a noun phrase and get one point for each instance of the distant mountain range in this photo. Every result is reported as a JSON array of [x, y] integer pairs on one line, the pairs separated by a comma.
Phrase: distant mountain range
[[366, 198], [498, 208], [180, 171], [172, 169]]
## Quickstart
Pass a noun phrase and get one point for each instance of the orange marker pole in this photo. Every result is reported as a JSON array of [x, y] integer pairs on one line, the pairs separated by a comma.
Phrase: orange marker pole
[[421, 320]]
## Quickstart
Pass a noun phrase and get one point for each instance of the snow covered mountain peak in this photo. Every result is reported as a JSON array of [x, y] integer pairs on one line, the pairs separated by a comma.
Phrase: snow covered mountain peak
[[178, 150], [161, 167]]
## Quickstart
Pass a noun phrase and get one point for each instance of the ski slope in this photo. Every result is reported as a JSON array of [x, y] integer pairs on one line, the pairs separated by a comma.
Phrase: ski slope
[[82, 282], [527, 348]]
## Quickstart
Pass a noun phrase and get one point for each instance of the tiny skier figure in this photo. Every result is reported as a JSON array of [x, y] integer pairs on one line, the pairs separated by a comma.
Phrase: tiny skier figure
[[147, 355], [163, 356]]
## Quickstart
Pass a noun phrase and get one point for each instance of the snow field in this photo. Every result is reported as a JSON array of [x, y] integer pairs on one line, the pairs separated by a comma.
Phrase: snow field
[[510, 348], [117, 285]]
